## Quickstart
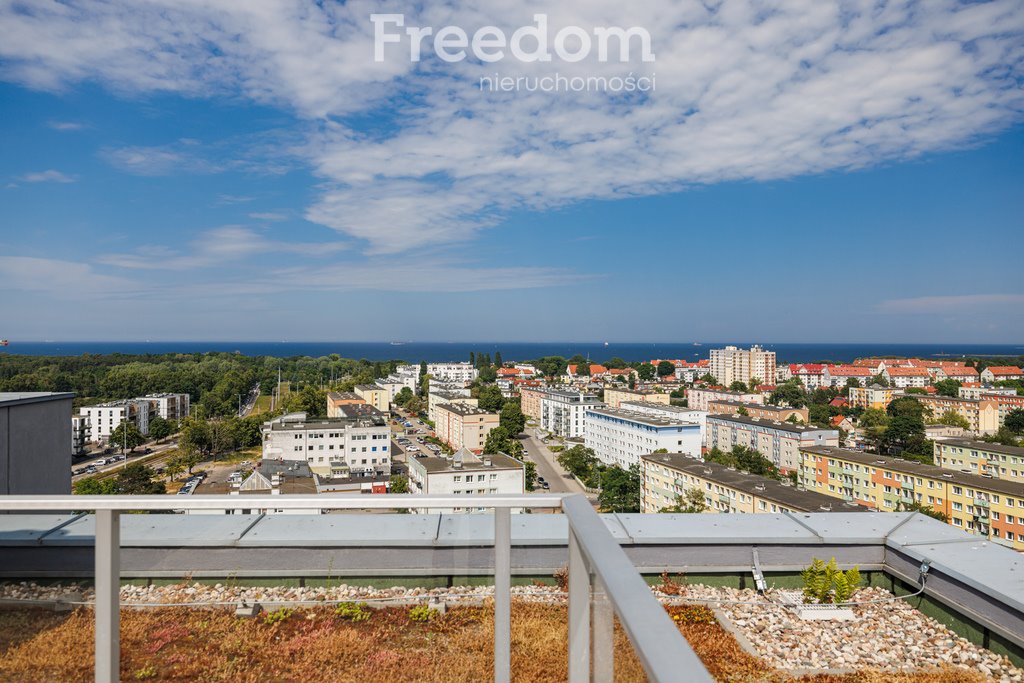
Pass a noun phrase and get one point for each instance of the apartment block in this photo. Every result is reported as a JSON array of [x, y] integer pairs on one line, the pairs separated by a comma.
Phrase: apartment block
[[874, 396], [840, 375], [979, 457], [903, 378], [529, 400], [172, 407], [374, 395], [337, 399], [564, 413], [698, 397], [456, 373], [332, 446], [34, 453], [105, 417], [758, 410], [811, 375], [466, 473], [614, 397], [982, 414], [677, 413], [983, 505], [464, 426], [1001, 373], [665, 477], [733, 364], [620, 437], [80, 433], [779, 442], [437, 398]]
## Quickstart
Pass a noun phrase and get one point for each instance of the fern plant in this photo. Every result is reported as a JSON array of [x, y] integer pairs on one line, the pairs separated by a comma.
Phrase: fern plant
[[827, 583]]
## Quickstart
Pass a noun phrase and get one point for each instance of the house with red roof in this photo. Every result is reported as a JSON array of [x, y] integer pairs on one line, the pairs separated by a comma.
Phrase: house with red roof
[[904, 378], [1001, 373], [838, 375]]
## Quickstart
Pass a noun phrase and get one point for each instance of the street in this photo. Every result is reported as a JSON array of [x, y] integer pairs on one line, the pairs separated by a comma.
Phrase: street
[[547, 467]]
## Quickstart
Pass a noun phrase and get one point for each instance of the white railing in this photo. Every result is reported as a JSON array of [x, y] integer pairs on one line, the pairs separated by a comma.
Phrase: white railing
[[603, 583]]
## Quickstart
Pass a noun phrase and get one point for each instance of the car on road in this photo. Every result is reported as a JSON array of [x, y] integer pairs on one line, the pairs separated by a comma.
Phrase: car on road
[[544, 485]]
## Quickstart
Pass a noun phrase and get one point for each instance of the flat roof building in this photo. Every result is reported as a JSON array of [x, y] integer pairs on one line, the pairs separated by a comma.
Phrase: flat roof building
[[35, 453], [621, 437]]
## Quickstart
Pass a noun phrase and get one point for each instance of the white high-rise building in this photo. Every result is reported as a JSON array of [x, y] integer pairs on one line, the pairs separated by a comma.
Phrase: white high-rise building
[[564, 413], [733, 364]]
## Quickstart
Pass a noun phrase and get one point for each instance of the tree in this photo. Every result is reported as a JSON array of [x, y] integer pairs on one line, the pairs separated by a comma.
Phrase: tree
[[195, 435], [953, 419], [91, 486], [127, 436], [174, 467], [616, 363], [488, 374], [788, 393], [746, 459], [743, 412], [948, 387], [666, 368], [398, 483], [915, 506], [1015, 421], [490, 398], [472, 359], [579, 460], [646, 372], [708, 378], [530, 475], [404, 396], [620, 489], [880, 380], [906, 406], [159, 428], [137, 480], [423, 369], [852, 383], [512, 418], [1004, 436], [583, 369], [497, 359], [738, 386], [693, 501]]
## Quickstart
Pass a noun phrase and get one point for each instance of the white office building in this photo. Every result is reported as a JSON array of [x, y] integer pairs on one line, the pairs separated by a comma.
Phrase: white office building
[[564, 413], [331, 446], [621, 437], [105, 417]]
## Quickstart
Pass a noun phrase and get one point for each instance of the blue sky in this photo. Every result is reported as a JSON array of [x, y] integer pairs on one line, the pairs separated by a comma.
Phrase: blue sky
[[827, 172]]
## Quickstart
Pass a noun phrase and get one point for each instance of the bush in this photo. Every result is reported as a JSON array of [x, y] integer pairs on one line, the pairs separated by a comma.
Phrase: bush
[[351, 611], [422, 613], [826, 583]]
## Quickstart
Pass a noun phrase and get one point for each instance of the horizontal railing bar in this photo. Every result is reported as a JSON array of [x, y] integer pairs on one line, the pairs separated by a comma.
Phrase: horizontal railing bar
[[661, 648], [311, 501]]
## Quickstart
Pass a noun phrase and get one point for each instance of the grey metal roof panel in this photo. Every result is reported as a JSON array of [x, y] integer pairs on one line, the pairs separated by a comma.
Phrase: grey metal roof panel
[[538, 529], [853, 527], [342, 530], [921, 529], [28, 529], [160, 531], [988, 567], [715, 529]]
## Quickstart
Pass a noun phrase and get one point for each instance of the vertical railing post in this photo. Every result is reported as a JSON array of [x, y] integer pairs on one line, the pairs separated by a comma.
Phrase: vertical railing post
[[604, 633], [502, 595], [579, 613], [108, 598]]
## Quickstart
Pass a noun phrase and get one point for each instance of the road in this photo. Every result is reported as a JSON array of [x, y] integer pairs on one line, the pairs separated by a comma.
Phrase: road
[[547, 467], [250, 401], [157, 457]]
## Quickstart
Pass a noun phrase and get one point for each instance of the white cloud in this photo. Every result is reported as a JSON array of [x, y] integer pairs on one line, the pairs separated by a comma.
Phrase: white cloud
[[271, 216], [62, 279], [65, 126], [50, 176], [953, 304], [216, 248], [745, 90]]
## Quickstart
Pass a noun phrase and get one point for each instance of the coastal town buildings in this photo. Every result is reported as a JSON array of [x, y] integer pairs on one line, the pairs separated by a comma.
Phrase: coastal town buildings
[[620, 437]]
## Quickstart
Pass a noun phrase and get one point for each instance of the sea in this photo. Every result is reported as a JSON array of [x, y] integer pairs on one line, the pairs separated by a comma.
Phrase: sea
[[431, 352]]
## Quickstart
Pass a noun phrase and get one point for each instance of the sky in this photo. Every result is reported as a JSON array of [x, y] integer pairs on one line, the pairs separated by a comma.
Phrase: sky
[[800, 171]]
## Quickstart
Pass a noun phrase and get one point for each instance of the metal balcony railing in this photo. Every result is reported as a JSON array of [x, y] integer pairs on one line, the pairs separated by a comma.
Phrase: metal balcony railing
[[603, 582]]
